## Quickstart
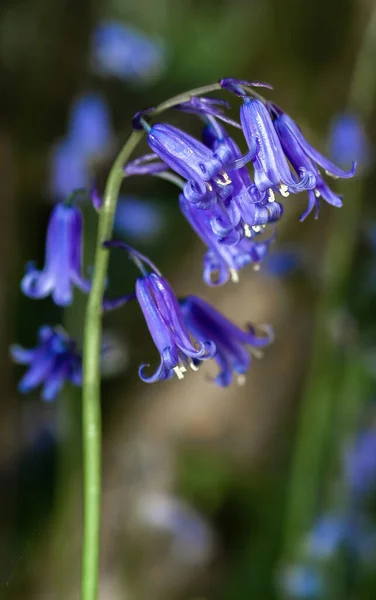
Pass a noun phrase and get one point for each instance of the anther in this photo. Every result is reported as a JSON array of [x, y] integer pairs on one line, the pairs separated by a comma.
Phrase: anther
[[179, 372], [284, 190], [192, 365], [317, 193], [234, 275], [271, 196], [247, 230]]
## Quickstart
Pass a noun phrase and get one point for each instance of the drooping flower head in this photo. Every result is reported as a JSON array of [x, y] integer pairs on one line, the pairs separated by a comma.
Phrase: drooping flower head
[[62, 269], [231, 342], [89, 127], [52, 362], [165, 322], [303, 156]]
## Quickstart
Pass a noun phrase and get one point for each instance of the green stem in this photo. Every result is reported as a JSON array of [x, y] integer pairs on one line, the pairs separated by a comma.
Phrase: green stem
[[91, 413], [329, 358]]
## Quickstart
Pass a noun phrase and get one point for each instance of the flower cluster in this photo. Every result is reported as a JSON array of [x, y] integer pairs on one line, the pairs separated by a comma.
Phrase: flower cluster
[[231, 207]]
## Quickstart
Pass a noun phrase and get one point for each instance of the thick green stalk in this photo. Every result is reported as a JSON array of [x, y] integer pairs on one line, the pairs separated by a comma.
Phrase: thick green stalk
[[91, 412]]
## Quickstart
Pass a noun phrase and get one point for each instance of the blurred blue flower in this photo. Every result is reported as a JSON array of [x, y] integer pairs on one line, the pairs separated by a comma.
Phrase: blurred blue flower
[[68, 169], [127, 53], [348, 141], [301, 581], [192, 538], [329, 532], [63, 262], [89, 129], [282, 262], [360, 465], [139, 219], [52, 362]]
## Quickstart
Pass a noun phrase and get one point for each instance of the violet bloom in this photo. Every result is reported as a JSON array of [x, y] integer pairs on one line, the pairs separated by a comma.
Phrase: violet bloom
[[127, 53], [272, 170], [204, 170], [360, 465], [245, 198], [303, 156], [165, 322], [52, 362], [222, 261], [90, 130], [68, 169], [62, 269], [348, 140], [231, 342]]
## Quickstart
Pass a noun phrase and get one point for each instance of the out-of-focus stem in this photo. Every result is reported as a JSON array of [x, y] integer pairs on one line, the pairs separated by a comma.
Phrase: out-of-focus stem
[[329, 357]]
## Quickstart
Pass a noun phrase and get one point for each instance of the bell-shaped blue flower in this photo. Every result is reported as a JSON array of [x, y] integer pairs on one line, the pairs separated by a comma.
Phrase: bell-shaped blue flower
[[348, 140], [272, 170], [165, 321], [52, 362], [303, 156], [252, 211], [222, 261], [204, 170], [68, 169], [62, 269], [232, 343]]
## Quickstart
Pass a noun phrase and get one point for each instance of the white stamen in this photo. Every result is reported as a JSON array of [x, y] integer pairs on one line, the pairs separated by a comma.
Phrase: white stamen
[[257, 353], [225, 181], [256, 228], [271, 196], [284, 190], [331, 175], [256, 267], [192, 365], [234, 276], [240, 380], [209, 187], [317, 193], [178, 372], [247, 230]]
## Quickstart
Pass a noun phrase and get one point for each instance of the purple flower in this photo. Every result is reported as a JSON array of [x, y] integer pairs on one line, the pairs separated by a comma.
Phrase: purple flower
[[139, 218], [165, 322], [348, 141], [52, 362], [271, 167], [69, 170], [62, 267], [90, 130], [204, 170], [127, 53], [360, 465], [245, 196], [222, 261], [303, 156], [231, 342], [302, 582]]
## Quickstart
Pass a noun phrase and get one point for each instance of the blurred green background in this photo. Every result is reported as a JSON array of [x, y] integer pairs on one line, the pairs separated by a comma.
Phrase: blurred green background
[[207, 493]]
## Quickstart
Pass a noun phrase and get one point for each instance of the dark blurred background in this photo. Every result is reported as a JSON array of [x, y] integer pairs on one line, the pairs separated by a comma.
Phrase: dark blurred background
[[200, 484]]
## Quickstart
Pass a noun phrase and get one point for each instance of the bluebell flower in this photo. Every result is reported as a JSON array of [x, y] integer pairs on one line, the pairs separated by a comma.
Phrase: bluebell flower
[[272, 171], [245, 199], [127, 53], [223, 261], [283, 261], [231, 342], [52, 362], [303, 582], [68, 169], [348, 141], [360, 465], [165, 322], [329, 533], [139, 218], [204, 170], [303, 156], [89, 128], [62, 269]]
